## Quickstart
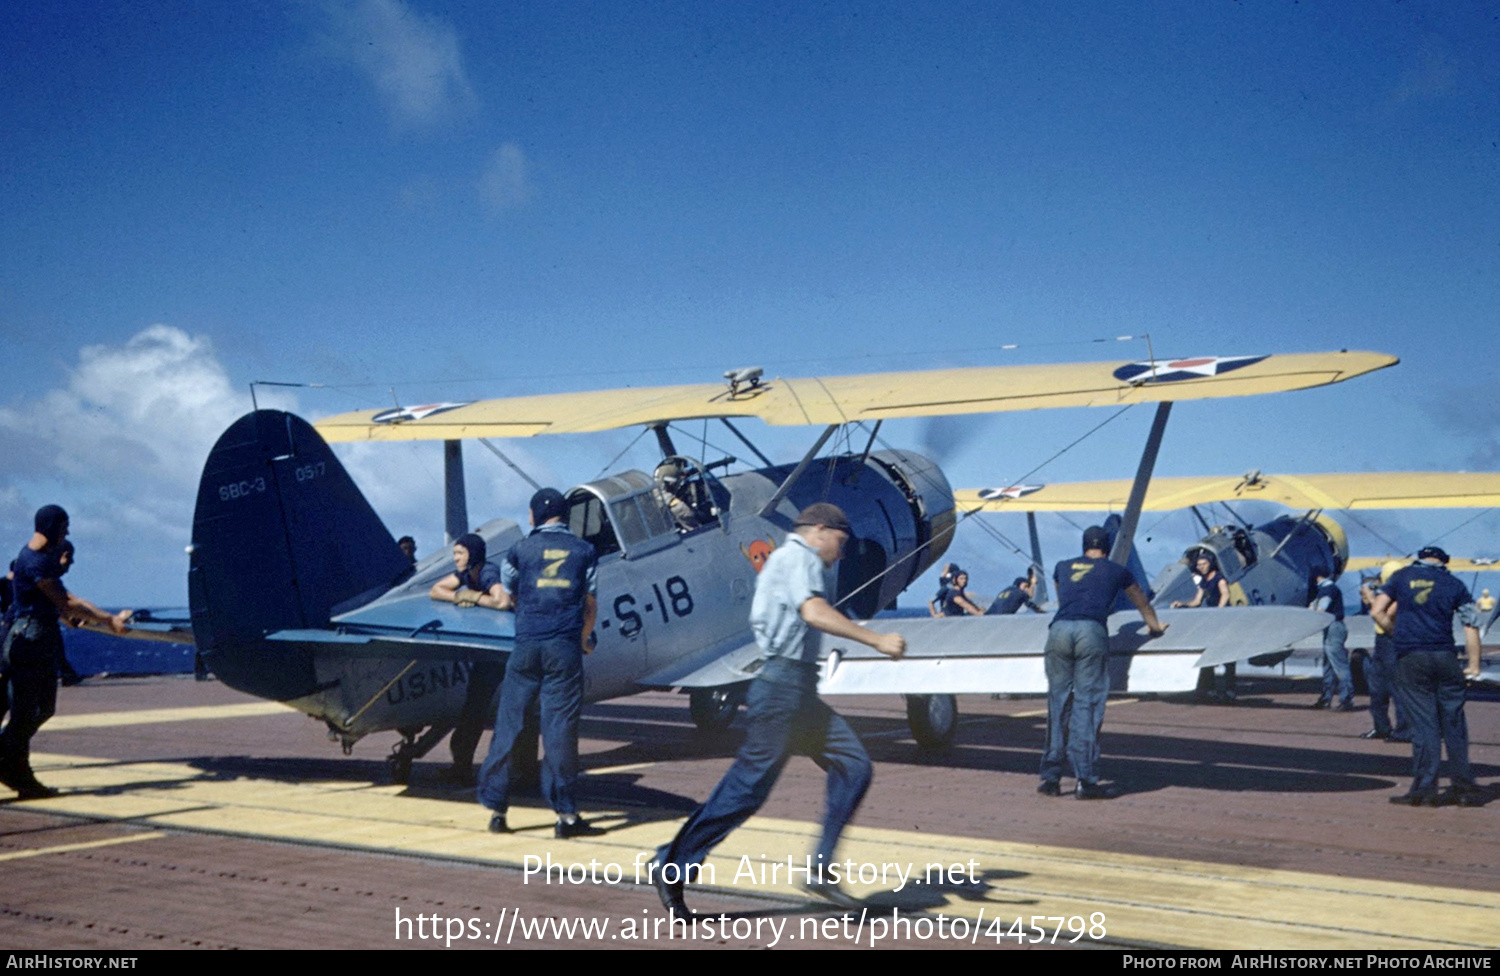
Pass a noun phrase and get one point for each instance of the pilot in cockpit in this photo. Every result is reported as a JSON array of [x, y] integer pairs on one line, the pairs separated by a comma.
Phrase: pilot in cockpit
[[672, 491]]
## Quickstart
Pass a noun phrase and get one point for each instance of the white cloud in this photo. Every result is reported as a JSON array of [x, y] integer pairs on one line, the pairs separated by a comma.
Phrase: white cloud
[[151, 407], [121, 445], [505, 183], [412, 59]]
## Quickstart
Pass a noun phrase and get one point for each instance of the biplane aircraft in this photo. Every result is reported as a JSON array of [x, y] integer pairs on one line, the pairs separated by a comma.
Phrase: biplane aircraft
[[1268, 564], [299, 593]]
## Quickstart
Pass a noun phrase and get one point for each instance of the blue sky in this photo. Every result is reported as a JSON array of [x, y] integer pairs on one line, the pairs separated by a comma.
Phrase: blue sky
[[461, 200]]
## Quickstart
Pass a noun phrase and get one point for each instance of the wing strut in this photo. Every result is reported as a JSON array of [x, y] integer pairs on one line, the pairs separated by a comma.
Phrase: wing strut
[[664, 440], [509, 463], [455, 504], [746, 441], [1040, 596], [1125, 540], [791, 479]]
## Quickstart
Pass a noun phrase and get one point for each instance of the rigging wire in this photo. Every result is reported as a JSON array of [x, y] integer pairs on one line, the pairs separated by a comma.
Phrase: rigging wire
[[1461, 525]]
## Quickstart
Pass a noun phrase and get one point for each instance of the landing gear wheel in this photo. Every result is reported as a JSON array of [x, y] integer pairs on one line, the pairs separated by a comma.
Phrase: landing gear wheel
[[400, 767], [714, 709], [933, 720]]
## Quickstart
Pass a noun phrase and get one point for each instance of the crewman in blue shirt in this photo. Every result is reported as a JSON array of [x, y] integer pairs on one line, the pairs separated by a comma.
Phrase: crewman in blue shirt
[[1338, 680], [33, 646], [1418, 604], [548, 578], [1015, 596], [1077, 658], [935, 605], [956, 602], [1213, 591]]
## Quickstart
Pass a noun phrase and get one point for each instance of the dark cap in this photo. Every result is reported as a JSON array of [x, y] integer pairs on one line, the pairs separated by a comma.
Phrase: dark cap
[[1433, 552], [548, 504], [477, 549], [1020, 581], [1095, 538], [826, 514], [50, 521], [1320, 572]]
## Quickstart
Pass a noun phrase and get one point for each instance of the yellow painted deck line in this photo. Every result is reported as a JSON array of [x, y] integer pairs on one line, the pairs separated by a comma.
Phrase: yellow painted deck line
[[1144, 900], [80, 846], [1042, 713], [627, 768], [151, 716]]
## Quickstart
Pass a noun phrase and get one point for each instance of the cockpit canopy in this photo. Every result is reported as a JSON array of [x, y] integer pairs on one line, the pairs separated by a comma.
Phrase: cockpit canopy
[[621, 513]]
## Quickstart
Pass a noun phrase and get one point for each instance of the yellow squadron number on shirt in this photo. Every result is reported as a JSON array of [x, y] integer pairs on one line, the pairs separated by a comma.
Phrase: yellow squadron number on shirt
[[1425, 586], [555, 559], [1080, 570]]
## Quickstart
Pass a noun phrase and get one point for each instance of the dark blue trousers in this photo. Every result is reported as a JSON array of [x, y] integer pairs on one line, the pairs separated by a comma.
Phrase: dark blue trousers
[[484, 681], [553, 671], [30, 654], [784, 716], [1380, 673], [1431, 691]]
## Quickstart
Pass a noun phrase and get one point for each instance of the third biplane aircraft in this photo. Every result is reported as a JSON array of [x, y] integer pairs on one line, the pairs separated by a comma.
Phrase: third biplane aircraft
[[299, 593], [1269, 564]]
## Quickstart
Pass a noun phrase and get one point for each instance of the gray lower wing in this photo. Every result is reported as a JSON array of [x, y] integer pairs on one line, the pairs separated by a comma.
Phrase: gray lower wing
[[996, 655]]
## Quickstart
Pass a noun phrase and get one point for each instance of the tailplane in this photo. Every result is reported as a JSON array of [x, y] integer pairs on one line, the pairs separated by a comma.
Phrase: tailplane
[[281, 538]]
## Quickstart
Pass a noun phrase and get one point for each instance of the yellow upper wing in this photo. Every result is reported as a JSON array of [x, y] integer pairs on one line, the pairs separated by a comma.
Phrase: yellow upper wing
[[1396, 489], [873, 396], [1478, 564]]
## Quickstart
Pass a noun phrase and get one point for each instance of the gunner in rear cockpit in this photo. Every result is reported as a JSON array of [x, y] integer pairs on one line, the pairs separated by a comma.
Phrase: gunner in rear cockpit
[[671, 486]]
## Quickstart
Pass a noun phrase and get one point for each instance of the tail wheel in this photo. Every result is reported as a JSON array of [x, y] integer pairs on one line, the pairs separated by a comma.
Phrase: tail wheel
[[933, 719], [400, 768], [714, 709]]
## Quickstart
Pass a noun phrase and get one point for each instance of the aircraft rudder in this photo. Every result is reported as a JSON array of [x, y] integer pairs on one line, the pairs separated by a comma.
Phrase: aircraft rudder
[[281, 536]]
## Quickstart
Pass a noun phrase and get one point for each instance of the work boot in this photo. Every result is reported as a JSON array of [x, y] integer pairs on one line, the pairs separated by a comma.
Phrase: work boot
[[670, 892], [576, 827]]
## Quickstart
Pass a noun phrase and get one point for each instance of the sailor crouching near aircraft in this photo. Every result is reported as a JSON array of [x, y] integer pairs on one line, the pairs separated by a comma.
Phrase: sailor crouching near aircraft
[[33, 646], [1417, 605], [784, 714], [549, 578], [475, 582], [1077, 660]]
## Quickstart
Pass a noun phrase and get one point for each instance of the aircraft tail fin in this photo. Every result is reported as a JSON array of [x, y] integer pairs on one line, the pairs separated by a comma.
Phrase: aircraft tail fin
[[281, 537]]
